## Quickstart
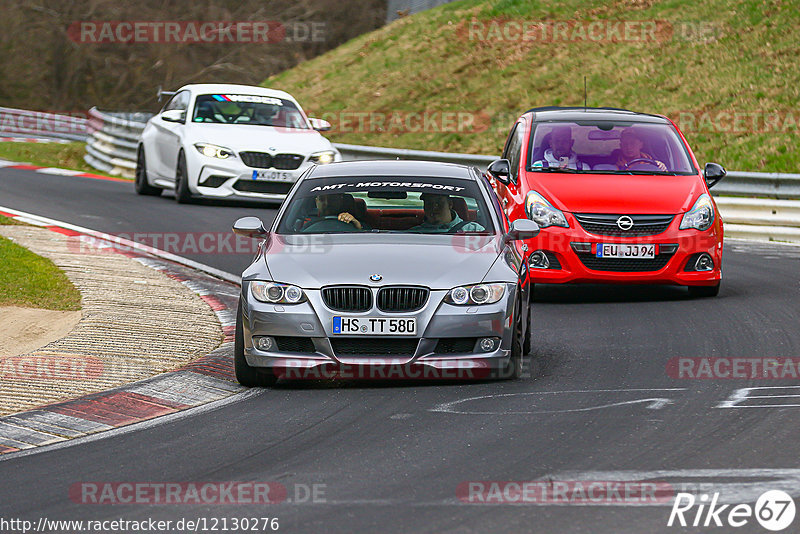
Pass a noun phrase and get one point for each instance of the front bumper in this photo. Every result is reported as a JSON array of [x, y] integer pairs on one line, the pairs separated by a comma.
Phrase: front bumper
[[313, 321], [231, 178], [671, 268]]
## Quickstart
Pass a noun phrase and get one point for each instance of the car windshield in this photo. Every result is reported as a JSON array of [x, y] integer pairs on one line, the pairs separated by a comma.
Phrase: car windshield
[[608, 147], [419, 205], [248, 109]]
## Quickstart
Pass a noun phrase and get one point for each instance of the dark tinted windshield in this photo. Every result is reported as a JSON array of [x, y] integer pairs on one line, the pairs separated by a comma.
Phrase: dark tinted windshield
[[387, 204], [248, 109], [610, 147]]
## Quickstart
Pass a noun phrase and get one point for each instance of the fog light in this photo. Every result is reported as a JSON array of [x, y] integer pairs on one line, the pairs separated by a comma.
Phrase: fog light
[[487, 344], [704, 263], [264, 343], [539, 260]]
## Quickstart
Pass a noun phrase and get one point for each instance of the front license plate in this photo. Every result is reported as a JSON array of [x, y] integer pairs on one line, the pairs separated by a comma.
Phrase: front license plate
[[626, 251], [273, 176], [381, 326]]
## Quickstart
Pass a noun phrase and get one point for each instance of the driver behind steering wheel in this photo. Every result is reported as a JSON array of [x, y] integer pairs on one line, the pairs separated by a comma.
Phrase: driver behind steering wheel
[[630, 145], [440, 217], [332, 206]]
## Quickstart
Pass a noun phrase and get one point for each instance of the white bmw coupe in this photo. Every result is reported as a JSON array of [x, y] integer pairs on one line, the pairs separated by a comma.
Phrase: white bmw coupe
[[229, 141]]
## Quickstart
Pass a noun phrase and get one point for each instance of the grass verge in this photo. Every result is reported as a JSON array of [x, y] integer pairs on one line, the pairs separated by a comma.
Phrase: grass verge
[[712, 60], [60, 155], [31, 281]]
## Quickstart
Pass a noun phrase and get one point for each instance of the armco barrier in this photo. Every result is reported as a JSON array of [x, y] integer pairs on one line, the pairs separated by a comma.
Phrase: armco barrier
[[112, 140], [41, 124]]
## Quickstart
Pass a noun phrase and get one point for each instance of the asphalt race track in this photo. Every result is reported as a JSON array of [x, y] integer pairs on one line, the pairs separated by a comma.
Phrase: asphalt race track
[[599, 405]]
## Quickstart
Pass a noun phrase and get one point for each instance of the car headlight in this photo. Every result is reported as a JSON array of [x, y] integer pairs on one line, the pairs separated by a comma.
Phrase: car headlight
[[214, 151], [542, 212], [475, 295], [275, 293], [324, 157], [701, 216]]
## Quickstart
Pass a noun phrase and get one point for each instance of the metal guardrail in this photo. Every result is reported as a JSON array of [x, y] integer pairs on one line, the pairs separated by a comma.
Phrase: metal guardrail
[[42, 124], [112, 140]]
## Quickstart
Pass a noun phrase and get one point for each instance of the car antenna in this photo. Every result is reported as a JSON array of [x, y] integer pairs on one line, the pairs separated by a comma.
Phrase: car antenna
[[584, 92]]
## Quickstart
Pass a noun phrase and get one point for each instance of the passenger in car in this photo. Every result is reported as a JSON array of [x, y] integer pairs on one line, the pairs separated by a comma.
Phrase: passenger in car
[[560, 154], [440, 217]]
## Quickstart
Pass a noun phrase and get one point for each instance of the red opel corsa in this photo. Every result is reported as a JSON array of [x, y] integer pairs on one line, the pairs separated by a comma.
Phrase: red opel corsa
[[621, 196]]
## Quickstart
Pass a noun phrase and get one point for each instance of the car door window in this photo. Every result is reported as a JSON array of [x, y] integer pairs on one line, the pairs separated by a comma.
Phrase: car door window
[[512, 151], [179, 101]]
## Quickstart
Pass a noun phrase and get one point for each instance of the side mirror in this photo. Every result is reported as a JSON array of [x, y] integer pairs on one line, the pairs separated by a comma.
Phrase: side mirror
[[501, 170], [174, 115], [250, 227], [713, 173], [319, 124], [522, 229]]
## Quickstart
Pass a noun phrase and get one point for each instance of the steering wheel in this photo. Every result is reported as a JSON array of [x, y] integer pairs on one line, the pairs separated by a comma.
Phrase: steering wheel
[[652, 162], [330, 223]]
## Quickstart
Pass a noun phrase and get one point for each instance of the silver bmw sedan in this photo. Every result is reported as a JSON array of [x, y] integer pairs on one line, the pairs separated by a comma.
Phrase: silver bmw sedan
[[385, 269]]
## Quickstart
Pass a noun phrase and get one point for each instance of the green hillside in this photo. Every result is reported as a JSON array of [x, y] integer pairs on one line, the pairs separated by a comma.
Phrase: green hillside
[[727, 71]]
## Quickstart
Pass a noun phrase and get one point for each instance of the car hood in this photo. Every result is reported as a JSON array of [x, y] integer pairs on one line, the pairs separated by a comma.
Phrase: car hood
[[438, 262], [241, 137], [612, 193]]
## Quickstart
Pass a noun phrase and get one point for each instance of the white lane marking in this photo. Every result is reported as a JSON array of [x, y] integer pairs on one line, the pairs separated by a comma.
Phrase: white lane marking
[[744, 394], [655, 403], [59, 172], [45, 221], [143, 425], [30, 220], [702, 481]]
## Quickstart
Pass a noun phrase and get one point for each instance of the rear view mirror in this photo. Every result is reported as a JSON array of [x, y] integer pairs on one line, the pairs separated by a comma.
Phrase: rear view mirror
[[250, 227], [713, 173], [500, 169]]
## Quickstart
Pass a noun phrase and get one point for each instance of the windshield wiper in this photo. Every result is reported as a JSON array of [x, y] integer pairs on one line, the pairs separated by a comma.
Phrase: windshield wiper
[[553, 169], [663, 173]]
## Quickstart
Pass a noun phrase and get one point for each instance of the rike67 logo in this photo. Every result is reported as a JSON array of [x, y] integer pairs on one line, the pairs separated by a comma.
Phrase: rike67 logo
[[774, 510]]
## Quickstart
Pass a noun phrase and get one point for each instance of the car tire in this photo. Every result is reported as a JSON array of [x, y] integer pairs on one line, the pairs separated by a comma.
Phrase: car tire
[[182, 193], [140, 183], [245, 374], [513, 369], [526, 345], [704, 291]]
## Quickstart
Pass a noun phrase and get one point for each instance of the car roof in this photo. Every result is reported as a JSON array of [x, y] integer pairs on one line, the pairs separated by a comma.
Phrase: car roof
[[556, 113], [233, 88], [392, 168]]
